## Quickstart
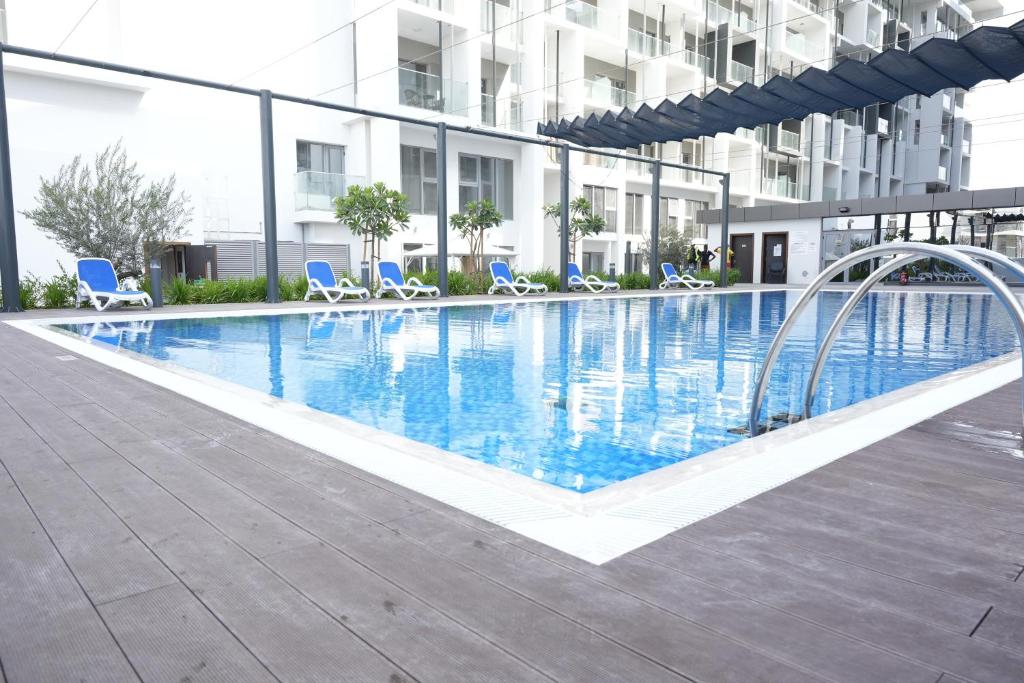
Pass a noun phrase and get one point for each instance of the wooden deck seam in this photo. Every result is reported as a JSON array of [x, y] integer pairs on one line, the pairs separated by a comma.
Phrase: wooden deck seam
[[156, 555], [60, 554]]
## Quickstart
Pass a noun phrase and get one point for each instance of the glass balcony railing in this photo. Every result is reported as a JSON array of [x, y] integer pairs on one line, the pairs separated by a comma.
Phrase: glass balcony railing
[[507, 28], [946, 139], [783, 187], [789, 139], [316, 190], [646, 44], [692, 58], [798, 43], [599, 160], [740, 72], [509, 114], [943, 173], [601, 92], [427, 91], [439, 5], [966, 146], [829, 193], [589, 16], [720, 15], [871, 38]]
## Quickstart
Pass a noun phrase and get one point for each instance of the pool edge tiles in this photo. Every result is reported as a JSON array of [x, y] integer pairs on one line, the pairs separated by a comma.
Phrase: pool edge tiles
[[596, 526]]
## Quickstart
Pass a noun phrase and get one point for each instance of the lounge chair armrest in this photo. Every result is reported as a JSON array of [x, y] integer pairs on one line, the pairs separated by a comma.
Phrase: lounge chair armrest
[[345, 282], [523, 280], [314, 284], [594, 278], [414, 281]]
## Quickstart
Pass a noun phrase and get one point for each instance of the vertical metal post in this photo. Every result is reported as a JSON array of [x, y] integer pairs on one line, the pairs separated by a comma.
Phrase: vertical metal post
[[906, 228], [563, 262], [724, 254], [8, 243], [878, 237], [558, 70], [654, 266], [442, 207], [269, 196]]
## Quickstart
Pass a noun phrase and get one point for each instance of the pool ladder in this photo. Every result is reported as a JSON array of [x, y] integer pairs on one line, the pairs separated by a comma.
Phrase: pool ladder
[[903, 253]]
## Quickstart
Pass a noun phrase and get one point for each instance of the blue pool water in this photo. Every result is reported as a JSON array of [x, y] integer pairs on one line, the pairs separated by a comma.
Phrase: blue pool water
[[579, 394]]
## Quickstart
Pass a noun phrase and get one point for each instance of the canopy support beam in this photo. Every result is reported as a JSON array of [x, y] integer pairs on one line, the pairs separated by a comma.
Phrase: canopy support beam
[[8, 243], [441, 156], [563, 261], [654, 266], [269, 194]]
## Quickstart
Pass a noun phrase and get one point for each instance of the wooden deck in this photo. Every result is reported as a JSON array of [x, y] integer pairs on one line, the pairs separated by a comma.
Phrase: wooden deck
[[145, 536]]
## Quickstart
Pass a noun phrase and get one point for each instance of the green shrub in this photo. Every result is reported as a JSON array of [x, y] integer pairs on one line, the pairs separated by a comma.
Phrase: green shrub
[[715, 274], [60, 290], [547, 276], [178, 291], [28, 291], [636, 280]]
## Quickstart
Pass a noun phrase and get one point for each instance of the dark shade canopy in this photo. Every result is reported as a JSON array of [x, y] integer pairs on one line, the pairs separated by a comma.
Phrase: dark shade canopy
[[989, 52]]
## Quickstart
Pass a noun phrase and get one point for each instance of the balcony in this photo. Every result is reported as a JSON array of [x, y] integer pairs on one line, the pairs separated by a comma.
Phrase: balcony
[[789, 140], [946, 139], [602, 93], [427, 91], [965, 146], [740, 72], [502, 16], [588, 16], [783, 187], [646, 44], [316, 191], [829, 193], [871, 38], [943, 173], [509, 115], [439, 5], [600, 160], [720, 15], [798, 43]]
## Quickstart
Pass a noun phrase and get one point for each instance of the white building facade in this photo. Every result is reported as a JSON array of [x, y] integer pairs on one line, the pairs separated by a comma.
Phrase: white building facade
[[509, 65]]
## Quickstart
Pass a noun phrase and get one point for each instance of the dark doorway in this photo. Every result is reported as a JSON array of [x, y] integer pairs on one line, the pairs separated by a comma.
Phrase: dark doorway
[[774, 257], [743, 256]]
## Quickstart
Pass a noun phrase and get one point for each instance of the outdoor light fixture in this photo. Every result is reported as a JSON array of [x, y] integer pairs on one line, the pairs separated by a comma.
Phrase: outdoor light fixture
[[844, 209]]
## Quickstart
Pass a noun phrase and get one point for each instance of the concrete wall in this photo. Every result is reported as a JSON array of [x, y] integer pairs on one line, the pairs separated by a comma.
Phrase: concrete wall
[[804, 247]]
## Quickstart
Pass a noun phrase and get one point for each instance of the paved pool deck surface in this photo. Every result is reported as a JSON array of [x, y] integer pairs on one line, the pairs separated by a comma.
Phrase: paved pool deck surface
[[144, 536]]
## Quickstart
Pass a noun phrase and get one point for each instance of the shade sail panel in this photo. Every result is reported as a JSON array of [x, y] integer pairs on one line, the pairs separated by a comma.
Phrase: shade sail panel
[[985, 53]]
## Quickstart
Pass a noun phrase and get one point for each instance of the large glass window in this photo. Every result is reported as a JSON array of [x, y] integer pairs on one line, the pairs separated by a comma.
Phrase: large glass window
[[486, 178], [593, 262], [419, 179], [602, 202], [668, 212], [634, 213], [319, 157], [691, 228]]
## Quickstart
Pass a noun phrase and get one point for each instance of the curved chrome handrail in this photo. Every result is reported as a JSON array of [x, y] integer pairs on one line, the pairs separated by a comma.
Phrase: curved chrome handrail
[[977, 253], [944, 253]]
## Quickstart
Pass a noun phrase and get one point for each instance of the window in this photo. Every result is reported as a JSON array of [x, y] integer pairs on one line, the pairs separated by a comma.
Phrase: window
[[917, 104], [486, 178], [634, 213], [917, 132], [602, 202], [691, 228], [668, 212], [319, 157], [593, 262], [419, 179]]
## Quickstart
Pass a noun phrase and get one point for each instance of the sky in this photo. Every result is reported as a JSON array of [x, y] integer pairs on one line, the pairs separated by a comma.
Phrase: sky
[[234, 38]]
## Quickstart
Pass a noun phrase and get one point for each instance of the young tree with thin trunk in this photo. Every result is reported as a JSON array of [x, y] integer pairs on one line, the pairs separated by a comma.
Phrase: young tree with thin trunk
[[478, 218], [583, 222], [109, 211], [375, 213]]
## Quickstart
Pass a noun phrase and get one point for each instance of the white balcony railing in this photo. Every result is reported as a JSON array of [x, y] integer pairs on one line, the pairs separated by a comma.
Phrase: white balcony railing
[[740, 72], [602, 93], [427, 91], [316, 190]]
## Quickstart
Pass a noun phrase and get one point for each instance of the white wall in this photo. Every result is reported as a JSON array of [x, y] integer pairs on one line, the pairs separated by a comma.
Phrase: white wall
[[804, 245]]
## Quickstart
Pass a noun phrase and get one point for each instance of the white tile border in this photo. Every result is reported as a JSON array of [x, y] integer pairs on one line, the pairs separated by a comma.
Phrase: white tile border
[[596, 526]]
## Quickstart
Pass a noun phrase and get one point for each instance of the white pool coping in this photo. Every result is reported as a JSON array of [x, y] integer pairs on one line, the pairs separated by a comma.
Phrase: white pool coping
[[596, 526]]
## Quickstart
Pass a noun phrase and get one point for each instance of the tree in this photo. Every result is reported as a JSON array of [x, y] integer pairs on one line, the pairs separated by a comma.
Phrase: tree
[[583, 222], [373, 212], [108, 211], [673, 247], [472, 224]]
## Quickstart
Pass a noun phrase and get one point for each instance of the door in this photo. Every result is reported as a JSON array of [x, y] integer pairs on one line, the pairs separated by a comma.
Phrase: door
[[743, 256], [774, 258]]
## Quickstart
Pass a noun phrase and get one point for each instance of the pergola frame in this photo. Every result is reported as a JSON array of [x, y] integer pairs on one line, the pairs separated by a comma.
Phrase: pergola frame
[[9, 274]]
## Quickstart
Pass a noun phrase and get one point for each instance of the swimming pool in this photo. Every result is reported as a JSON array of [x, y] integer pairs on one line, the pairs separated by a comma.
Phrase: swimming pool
[[579, 394]]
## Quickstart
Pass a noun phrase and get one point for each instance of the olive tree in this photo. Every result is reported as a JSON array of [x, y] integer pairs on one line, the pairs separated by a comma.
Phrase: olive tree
[[109, 210]]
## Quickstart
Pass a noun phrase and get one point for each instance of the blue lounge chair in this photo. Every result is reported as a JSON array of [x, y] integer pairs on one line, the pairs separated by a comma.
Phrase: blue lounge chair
[[97, 284], [322, 281], [591, 283], [392, 280], [674, 279], [501, 274]]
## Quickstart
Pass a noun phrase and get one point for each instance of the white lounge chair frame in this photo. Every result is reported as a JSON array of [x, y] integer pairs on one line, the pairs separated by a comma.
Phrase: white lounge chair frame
[[101, 301], [674, 280], [337, 293], [413, 286], [592, 283], [521, 286]]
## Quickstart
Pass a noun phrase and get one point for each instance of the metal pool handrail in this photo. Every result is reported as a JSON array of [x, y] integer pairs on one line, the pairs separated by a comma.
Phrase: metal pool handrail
[[944, 253], [977, 253]]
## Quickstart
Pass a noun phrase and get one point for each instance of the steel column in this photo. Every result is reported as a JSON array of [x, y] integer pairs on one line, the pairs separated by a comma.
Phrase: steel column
[[269, 194], [8, 244], [442, 208], [563, 261], [654, 266], [723, 280]]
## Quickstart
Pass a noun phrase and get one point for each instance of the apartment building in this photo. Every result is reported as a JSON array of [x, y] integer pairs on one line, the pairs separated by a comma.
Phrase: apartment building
[[510, 64]]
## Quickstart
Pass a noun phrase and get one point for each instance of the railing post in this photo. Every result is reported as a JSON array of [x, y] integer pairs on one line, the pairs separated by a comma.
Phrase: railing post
[[8, 242], [442, 207], [653, 266], [269, 194], [724, 253], [563, 273]]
